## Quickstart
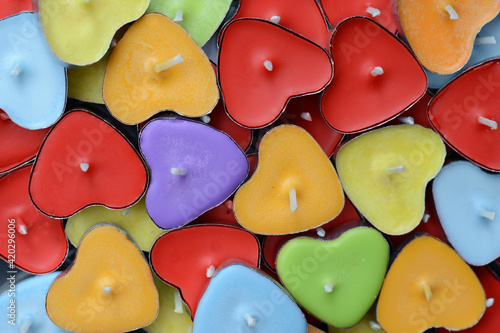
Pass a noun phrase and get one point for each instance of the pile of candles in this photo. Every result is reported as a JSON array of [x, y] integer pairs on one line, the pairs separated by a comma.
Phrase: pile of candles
[[250, 166]]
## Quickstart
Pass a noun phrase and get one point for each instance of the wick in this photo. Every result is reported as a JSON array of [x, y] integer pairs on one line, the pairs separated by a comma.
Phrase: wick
[[268, 65], [395, 170], [306, 116], [321, 232], [428, 292], [452, 12], [407, 120], [251, 321], [488, 40], [328, 287], [229, 204], [275, 19], [4, 116], [178, 171], [374, 12], [25, 325], [84, 166], [21, 226], [178, 302], [126, 211], [210, 271], [374, 325], [377, 71], [489, 302], [487, 122], [487, 214], [113, 42], [178, 16], [106, 290], [206, 119], [293, 200], [16, 70], [167, 64], [425, 218]]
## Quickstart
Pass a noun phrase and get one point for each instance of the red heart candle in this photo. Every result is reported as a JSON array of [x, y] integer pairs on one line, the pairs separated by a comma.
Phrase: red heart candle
[[187, 258], [262, 65], [32, 241], [11, 7], [465, 113], [376, 77], [85, 161], [18, 144]]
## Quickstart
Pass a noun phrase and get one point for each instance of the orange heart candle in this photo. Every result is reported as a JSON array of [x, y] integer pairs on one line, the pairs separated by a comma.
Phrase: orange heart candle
[[295, 186], [157, 66], [109, 288], [441, 33], [429, 285]]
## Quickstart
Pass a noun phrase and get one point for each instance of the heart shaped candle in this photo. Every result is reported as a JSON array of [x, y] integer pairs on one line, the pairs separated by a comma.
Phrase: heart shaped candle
[[30, 240], [376, 77], [134, 220], [85, 161], [188, 257], [429, 285], [262, 65], [85, 82], [467, 200], [80, 32], [193, 168], [467, 108], [241, 299], [338, 280], [27, 65], [12, 7], [109, 288], [367, 325], [157, 66], [442, 33], [295, 186], [388, 184]]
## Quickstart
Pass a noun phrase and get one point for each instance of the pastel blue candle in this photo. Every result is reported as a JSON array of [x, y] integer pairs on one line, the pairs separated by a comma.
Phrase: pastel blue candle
[[240, 299], [468, 205], [23, 307], [32, 79], [486, 46]]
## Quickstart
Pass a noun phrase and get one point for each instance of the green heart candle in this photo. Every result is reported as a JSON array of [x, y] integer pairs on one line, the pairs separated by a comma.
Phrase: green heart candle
[[336, 280]]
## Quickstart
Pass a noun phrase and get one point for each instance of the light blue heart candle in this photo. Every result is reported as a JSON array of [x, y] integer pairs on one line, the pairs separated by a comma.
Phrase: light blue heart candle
[[32, 79], [468, 205], [23, 306], [240, 299]]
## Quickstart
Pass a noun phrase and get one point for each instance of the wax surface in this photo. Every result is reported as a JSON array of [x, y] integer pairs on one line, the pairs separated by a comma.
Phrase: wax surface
[[262, 204], [116, 176], [458, 299], [44, 246], [237, 291], [85, 82], [26, 97], [215, 167], [80, 32], [133, 91], [254, 96], [355, 263], [9, 8], [29, 306], [135, 220], [105, 258], [461, 190], [393, 203], [428, 28], [367, 325], [454, 113]]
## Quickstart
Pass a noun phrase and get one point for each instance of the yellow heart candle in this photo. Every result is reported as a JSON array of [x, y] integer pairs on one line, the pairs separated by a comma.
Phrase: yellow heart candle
[[294, 188], [85, 82], [441, 33], [80, 31], [429, 285], [134, 220], [109, 288], [157, 66], [384, 172]]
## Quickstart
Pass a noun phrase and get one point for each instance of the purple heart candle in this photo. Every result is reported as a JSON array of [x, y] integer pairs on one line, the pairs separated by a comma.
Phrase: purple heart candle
[[194, 168]]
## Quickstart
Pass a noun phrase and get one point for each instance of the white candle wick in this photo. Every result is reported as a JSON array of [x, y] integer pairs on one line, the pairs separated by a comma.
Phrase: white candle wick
[[84, 166], [178, 15], [374, 325], [487, 122], [374, 12], [321, 232], [25, 325], [210, 271], [16, 70], [427, 292], [275, 19], [306, 116], [106, 290], [113, 42], [328, 288], [268, 65], [126, 211], [487, 214], [452, 12], [489, 302], [4, 116], [293, 200], [178, 302], [488, 40], [167, 64], [22, 229], [178, 171], [425, 218], [206, 119], [407, 120], [377, 71], [251, 321], [395, 170]]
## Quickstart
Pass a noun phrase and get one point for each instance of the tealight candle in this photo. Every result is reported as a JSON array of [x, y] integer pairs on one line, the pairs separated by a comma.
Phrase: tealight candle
[[368, 324], [12, 7]]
